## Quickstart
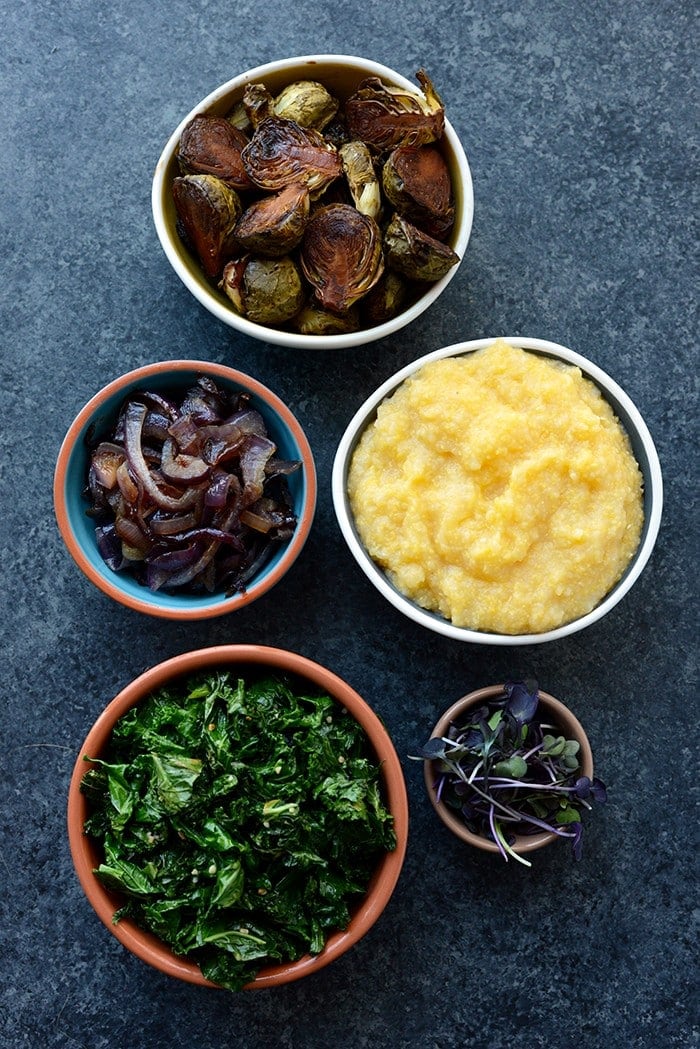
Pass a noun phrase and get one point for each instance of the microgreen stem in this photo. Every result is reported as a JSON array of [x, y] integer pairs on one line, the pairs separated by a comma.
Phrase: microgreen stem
[[500, 840]]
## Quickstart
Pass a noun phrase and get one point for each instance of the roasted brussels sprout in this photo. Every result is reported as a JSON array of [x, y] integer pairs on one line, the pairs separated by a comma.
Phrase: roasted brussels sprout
[[307, 102], [208, 210], [281, 152], [258, 103], [362, 178], [211, 145], [417, 182], [336, 133], [386, 116], [274, 225], [385, 299], [341, 255], [416, 254], [239, 118], [314, 320], [266, 291]]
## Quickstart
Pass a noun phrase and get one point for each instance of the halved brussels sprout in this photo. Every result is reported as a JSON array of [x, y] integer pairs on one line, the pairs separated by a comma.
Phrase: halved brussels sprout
[[386, 116], [341, 255], [307, 102], [385, 299], [416, 254], [211, 145], [208, 210], [417, 181], [362, 178], [281, 152], [274, 225], [257, 103], [314, 320], [266, 291]]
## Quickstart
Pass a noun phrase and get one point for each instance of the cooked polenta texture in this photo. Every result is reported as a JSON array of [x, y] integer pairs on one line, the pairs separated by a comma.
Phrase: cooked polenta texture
[[498, 489]]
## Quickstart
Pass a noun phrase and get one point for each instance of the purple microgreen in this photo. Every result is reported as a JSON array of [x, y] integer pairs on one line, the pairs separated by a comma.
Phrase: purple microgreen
[[434, 748], [504, 765], [577, 844], [522, 700]]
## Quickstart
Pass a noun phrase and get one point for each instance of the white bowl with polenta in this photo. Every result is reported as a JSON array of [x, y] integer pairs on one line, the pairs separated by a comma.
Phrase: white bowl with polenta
[[500, 491]]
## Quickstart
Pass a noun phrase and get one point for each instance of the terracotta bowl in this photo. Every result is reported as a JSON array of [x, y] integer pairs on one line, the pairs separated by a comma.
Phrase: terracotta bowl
[[569, 726], [340, 74], [86, 855], [70, 479]]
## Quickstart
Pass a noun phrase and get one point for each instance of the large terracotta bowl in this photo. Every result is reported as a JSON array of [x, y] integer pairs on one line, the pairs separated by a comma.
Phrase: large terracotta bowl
[[86, 855]]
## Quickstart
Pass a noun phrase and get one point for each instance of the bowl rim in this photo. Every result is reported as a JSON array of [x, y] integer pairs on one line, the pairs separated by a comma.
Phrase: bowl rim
[[217, 606], [565, 718], [361, 419], [146, 946], [293, 340]]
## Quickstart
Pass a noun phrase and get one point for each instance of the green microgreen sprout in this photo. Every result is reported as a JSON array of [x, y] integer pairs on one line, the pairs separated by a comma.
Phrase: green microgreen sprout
[[507, 772]]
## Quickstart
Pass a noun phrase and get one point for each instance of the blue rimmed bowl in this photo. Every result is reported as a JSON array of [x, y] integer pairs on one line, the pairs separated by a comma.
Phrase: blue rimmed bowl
[[96, 420]]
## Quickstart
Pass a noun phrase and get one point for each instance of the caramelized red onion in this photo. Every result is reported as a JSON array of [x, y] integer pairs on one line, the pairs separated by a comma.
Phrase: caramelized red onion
[[190, 496]]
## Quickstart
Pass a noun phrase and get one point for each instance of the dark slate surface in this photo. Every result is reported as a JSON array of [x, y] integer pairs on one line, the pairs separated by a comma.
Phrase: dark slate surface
[[579, 126]]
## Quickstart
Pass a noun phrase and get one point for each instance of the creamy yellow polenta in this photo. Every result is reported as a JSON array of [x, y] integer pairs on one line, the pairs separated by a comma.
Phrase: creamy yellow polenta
[[498, 489]]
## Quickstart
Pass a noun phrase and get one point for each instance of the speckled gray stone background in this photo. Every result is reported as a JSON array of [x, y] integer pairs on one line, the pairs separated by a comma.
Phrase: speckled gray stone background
[[579, 121]]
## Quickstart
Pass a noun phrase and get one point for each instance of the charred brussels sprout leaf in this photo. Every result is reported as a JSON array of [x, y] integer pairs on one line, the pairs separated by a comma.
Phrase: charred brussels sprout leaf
[[257, 104], [385, 299], [211, 145], [386, 116], [417, 182], [308, 103], [208, 210], [281, 153], [415, 254], [274, 225], [362, 178], [341, 255], [266, 291]]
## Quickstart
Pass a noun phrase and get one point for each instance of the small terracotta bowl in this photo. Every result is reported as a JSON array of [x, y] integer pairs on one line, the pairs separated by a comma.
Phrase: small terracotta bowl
[[99, 415], [341, 75], [559, 715], [86, 855]]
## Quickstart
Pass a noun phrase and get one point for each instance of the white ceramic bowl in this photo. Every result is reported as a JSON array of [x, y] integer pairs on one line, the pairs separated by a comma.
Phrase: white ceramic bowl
[[340, 74], [642, 446]]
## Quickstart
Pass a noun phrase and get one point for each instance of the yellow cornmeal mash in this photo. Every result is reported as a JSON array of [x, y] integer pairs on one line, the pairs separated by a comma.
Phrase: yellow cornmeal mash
[[499, 489]]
